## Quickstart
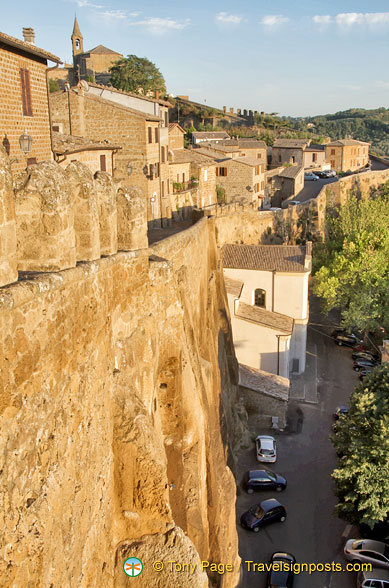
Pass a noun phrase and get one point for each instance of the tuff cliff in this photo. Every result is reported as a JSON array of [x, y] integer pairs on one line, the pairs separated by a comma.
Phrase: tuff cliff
[[119, 408]]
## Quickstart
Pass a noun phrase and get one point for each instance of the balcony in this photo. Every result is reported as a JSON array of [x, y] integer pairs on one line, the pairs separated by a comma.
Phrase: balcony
[[179, 187]]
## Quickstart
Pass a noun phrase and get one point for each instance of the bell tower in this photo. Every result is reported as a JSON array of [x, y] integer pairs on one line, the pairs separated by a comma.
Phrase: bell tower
[[77, 39]]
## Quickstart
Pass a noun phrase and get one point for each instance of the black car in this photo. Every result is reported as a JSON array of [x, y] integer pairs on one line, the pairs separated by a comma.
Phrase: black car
[[360, 364], [264, 513], [264, 479], [343, 338], [281, 574], [363, 372]]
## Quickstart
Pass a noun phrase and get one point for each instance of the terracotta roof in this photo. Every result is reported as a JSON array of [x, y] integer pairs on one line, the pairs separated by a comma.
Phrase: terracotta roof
[[211, 135], [291, 172], [102, 50], [28, 47], [291, 143], [223, 148], [191, 156], [264, 382], [113, 89], [346, 142], [315, 147], [252, 144], [266, 318], [251, 161], [70, 144], [176, 126], [233, 287], [280, 258]]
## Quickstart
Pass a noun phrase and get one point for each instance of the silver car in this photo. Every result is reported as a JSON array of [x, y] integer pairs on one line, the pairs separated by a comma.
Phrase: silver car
[[374, 579], [266, 448], [367, 551]]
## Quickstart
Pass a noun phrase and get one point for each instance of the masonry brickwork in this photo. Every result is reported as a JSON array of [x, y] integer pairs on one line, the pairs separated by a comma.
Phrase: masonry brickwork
[[13, 121]]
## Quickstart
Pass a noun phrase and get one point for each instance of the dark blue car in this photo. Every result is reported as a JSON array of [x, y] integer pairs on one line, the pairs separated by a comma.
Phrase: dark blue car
[[264, 513]]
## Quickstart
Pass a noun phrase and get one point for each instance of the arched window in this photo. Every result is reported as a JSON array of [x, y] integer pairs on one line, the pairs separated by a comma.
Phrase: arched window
[[260, 297], [77, 43]]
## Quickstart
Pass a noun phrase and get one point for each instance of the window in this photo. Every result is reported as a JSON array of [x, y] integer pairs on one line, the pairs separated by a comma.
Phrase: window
[[150, 130], [332, 163], [103, 165], [221, 171], [77, 43], [314, 157], [257, 170], [162, 154], [156, 133], [332, 151], [293, 159], [168, 186], [26, 92], [205, 175], [56, 128], [256, 188], [260, 297], [151, 171], [183, 177], [31, 160], [157, 169], [258, 156], [163, 189], [262, 185], [166, 118], [279, 158]]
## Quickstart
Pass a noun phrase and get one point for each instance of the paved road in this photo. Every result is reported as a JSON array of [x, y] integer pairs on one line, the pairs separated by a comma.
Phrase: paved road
[[312, 189], [306, 458]]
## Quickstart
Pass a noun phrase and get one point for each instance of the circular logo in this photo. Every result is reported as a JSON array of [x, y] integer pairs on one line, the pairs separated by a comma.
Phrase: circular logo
[[132, 567]]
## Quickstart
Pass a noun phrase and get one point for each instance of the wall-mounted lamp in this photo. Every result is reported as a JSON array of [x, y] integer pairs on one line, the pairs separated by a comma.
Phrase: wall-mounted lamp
[[25, 142]]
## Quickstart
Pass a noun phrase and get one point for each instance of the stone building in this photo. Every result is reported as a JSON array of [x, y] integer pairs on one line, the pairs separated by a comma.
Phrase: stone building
[[267, 289], [283, 183], [142, 162], [92, 64], [288, 151], [176, 136], [239, 148], [207, 136], [347, 154], [96, 155], [242, 179], [193, 179], [23, 99], [314, 156]]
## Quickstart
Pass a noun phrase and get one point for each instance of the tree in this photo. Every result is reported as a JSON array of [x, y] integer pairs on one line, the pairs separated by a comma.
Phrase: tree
[[137, 75], [354, 262], [53, 85], [362, 439]]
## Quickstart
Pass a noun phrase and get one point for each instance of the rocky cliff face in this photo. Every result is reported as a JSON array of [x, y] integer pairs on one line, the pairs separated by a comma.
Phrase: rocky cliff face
[[119, 414]]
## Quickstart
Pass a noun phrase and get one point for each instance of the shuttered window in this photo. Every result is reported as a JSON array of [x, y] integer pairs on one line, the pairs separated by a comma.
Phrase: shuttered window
[[103, 166], [26, 92]]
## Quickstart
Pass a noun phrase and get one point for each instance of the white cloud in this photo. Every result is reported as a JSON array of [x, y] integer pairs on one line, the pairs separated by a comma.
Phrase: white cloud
[[322, 19], [272, 20], [160, 26], [87, 4], [225, 18], [113, 14], [349, 19]]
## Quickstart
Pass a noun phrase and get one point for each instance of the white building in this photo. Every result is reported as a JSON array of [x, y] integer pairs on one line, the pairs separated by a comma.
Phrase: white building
[[267, 289]]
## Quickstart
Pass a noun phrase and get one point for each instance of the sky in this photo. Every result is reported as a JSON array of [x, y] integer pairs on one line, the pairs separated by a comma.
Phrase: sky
[[296, 58]]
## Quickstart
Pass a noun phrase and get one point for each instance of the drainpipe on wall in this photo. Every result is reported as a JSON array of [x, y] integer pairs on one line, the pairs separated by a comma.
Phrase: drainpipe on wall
[[278, 354], [48, 104], [272, 290]]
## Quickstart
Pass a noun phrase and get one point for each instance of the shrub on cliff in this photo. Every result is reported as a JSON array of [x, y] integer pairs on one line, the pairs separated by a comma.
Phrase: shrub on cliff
[[137, 75]]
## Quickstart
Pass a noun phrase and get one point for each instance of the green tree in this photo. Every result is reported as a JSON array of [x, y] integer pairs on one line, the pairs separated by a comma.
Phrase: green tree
[[137, 75], [362, 439], [354, 262], [53, 85]]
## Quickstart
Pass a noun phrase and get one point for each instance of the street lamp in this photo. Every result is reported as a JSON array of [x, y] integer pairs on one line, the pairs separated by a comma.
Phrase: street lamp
[[25, 142]]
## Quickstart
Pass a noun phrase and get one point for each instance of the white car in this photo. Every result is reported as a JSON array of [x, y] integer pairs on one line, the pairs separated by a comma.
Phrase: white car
[[375, 579], [309, 176], [293, 202], [367, 551], [266, 449]]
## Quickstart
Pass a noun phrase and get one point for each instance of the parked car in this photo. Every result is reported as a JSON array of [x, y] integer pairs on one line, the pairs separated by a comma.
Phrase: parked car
[[256, 480], [363, 363], [293, 202], [363, 372], [331, 173], [284, 575], [375, 579], [266, 448], [367, 551], [275, 208], [343, 338], [264, 513], [342, 409], [365, 355], [310, 177]]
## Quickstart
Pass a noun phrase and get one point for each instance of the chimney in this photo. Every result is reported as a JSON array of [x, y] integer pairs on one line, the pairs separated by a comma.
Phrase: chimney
[[157, 94], [29, 35], [308, 256]]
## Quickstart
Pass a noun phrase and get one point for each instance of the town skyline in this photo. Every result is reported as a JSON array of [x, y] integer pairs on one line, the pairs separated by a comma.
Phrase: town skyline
[[306, 61]]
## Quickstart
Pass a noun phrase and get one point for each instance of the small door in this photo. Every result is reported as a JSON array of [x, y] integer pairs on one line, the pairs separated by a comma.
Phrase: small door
[[103, 165]]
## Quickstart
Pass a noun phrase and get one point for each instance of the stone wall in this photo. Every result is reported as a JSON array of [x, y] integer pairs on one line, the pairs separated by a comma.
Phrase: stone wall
[[90, 158], [13, 122], [119, 403]]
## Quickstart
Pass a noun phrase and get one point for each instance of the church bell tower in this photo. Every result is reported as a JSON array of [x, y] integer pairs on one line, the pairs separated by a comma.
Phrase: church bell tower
[[77, 40]]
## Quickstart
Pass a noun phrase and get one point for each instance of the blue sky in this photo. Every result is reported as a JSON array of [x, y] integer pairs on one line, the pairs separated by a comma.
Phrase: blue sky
[[296, 58]]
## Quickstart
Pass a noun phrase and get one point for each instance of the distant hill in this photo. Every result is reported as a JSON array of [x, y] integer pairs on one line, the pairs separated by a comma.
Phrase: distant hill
[[366, 125]]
